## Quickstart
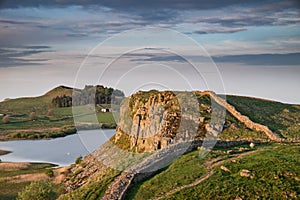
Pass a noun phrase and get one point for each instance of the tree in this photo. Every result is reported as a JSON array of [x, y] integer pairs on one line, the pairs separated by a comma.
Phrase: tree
[[32, 116], [39, 190], [5, 119]]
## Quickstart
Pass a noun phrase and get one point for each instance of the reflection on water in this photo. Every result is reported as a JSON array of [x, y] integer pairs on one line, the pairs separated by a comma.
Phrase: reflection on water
[[60, 151]]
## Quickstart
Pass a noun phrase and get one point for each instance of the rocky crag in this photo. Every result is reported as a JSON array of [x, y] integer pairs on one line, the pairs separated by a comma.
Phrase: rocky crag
[[155, 128]]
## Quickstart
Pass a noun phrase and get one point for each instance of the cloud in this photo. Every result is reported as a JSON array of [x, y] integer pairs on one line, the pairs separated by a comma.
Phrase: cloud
[[241, 19], [37, 47], [247, 59], [104, 18], [137, 4], [18, 56], [16, 22], [261, 59], [158, 58], [123, 4], [220, 30], [76, 35]]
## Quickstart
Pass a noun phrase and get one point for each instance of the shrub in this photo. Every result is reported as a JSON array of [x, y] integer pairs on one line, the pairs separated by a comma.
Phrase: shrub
[[49, 172], [5, 119], [78, 160], [32, 116], [40, 190]]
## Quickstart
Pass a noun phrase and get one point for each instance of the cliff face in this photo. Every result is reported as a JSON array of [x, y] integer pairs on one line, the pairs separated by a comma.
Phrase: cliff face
[[152, 121]]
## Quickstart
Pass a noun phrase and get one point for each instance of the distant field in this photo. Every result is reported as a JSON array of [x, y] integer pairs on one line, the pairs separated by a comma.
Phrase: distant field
[[49, 121]]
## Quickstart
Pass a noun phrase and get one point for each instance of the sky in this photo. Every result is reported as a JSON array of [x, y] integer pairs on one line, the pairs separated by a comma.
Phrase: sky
[[236, 47]]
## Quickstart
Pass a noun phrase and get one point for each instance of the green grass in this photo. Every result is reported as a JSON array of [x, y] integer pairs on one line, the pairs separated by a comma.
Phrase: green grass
[[276, 169], [277, 116], [31, 169], [94, 189], [40, 122], [59, 124], [277, 175], [101, 117], [9, 190], [186, 169], [40, 104]]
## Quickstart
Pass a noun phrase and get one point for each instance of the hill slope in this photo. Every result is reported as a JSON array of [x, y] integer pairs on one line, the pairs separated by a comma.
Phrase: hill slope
[[160, 140], [49, 120], [39, 104]]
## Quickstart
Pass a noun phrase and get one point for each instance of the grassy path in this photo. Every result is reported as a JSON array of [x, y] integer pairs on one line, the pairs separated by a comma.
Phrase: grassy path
[[209, 165]]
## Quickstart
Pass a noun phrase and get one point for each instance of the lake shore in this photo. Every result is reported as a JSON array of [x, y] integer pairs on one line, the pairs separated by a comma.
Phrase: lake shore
[[62, 151], [48, 133], [4, 152]]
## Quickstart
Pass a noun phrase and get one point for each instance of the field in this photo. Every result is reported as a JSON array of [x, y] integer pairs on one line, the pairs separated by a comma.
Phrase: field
[[38, 118], [14, 177]]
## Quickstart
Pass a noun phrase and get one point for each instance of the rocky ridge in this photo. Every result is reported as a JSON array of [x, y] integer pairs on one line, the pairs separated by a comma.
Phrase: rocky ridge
[[150, 135]]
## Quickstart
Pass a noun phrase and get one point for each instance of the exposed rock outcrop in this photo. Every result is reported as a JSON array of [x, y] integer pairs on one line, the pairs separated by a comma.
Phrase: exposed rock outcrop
[[155, 120], [247, 173]]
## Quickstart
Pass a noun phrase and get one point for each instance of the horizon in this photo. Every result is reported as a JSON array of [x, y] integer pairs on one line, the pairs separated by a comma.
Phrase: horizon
[[127, 95]]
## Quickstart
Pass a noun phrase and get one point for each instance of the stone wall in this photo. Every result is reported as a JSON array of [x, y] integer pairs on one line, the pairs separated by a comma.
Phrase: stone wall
[[118, 189], [244, 119]]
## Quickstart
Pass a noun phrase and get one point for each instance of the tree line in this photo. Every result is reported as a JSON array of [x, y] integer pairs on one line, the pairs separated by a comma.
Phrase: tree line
[[90, 95]]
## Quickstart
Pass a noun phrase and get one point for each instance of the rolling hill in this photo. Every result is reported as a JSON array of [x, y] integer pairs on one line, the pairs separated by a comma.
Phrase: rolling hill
[[49, 121]]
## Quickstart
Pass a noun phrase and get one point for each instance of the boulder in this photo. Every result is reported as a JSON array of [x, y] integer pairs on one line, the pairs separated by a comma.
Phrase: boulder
[[224, 168], [247, 173]]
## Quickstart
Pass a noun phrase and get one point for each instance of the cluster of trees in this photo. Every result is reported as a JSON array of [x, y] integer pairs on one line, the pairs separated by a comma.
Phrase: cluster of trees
[[90, 95], [62, 101]]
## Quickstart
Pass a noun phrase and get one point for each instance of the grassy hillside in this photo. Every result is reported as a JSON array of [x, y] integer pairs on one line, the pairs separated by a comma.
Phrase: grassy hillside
[[274, 174], [14, 177], [267, 171], [280, 118], [59, 123], [39, 104]]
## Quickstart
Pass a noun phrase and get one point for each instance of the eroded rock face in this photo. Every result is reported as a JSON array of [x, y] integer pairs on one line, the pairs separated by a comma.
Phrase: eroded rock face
[[151, 121]]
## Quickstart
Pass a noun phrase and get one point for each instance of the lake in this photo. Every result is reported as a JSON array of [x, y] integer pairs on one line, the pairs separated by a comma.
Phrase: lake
[[61, 151]]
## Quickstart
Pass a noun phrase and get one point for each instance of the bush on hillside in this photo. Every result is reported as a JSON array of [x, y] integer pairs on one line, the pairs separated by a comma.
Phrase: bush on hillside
[[39, 190], [32, 116], [5, 119]]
